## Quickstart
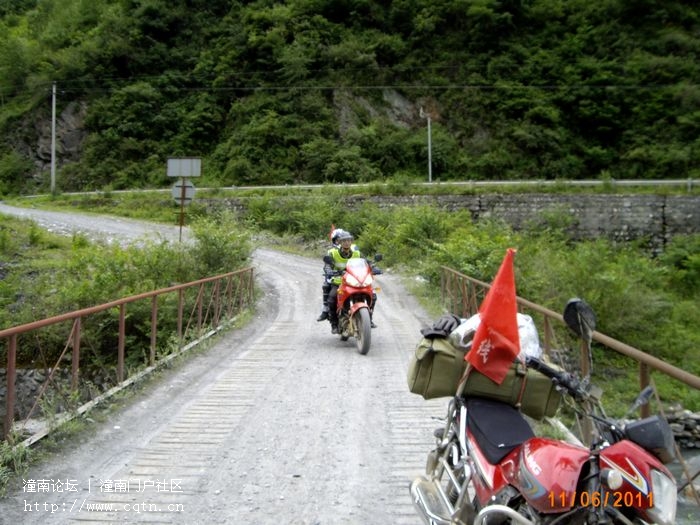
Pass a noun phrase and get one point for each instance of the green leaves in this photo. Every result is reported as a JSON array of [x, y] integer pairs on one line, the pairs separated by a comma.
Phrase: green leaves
[[322, 90]]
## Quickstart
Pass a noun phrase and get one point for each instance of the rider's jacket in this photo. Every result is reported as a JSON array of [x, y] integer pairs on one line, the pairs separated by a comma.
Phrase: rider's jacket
[[340, 262]]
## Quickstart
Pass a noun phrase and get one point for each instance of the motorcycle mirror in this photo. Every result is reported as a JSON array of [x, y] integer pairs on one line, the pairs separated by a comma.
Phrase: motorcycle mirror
[[642, 399], [328, 259], [580, 318], [378, 257]]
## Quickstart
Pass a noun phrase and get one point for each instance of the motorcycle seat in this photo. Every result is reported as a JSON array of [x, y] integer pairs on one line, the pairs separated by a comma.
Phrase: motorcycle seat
[[497, 427]]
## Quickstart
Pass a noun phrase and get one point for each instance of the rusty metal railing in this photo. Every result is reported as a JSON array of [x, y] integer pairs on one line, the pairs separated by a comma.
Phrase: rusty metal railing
[[462, 295], [209, 302]]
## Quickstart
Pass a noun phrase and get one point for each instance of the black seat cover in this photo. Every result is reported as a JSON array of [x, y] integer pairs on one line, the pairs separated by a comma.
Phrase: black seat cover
[[497, 427]]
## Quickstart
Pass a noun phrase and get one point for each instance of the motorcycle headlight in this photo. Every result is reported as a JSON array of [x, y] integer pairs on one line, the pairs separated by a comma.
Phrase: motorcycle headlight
[[663, 490], [355, 283], [352, 281]]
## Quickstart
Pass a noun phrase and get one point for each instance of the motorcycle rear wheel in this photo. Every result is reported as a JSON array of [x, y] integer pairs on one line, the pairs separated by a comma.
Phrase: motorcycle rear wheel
[[363, 330]]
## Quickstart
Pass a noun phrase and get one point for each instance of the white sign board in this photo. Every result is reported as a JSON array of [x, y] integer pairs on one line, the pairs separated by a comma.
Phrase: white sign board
[[183, 192], [184, 167]]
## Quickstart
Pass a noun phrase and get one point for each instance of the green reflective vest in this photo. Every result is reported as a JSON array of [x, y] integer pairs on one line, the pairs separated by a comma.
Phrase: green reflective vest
[[340, 262]]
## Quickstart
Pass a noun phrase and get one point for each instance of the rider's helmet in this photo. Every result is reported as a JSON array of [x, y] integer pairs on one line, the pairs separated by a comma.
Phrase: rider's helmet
[[343, 236], [334, 235]]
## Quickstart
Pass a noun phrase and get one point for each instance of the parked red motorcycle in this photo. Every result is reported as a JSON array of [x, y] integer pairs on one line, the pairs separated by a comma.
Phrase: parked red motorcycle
[[356, 298], [489, 467]]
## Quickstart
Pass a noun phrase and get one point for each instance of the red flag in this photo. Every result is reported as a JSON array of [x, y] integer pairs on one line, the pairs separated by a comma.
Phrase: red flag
[[496, 342]]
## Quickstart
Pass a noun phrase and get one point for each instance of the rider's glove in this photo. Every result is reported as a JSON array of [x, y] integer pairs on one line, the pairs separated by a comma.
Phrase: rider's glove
[[442, 327]]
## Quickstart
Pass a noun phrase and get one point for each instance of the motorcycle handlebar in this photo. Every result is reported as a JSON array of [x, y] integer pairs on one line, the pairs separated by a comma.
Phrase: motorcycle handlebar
[[564, 379]]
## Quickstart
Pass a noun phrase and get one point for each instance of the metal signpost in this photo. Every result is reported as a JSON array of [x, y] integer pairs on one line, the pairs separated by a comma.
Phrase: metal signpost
[[183, 190], [425, 115]]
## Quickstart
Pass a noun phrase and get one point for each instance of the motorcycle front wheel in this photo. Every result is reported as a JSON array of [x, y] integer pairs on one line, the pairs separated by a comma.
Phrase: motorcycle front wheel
[[363, 330]]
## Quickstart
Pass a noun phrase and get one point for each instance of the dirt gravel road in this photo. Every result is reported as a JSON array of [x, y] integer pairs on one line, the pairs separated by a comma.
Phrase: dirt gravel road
[[278, 423]]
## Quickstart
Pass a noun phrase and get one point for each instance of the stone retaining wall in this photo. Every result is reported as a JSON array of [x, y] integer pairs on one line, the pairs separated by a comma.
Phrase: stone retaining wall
[[686, 427], [586, 216]]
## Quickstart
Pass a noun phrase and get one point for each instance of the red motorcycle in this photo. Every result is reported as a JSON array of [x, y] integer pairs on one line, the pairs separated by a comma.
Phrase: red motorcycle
[[489, 467], [356, 298]]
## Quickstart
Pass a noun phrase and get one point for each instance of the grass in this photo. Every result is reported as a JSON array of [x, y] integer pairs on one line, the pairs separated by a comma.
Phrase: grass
[[621, 382], [158, 205]]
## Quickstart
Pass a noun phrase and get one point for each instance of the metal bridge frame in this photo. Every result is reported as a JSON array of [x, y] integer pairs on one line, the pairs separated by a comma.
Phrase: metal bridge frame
[[216, 300]]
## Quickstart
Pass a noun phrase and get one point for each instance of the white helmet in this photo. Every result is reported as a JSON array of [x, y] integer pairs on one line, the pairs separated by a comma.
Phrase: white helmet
[[343, 236], [336, 234]]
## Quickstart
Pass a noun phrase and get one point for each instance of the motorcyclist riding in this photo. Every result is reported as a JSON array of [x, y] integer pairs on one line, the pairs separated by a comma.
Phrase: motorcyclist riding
[[340, 256], [326, 286]]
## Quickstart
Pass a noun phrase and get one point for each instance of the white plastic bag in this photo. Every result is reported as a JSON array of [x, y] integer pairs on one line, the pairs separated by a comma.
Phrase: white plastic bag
[[462, 336]]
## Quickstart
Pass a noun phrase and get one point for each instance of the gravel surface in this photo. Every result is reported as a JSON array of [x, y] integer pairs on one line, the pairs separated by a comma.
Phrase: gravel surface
[[279, 422], [97, 227]]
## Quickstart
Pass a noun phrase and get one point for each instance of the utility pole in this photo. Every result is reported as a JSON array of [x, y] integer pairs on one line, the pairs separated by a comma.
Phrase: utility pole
[[430, 146], [53, 139]]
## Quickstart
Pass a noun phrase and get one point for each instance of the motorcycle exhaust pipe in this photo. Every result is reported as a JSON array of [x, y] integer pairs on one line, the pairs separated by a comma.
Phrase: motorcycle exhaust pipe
[[501, 511], [429, 503]]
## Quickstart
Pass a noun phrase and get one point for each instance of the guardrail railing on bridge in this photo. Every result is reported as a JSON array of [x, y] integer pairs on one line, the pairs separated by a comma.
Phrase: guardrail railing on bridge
[[462, 295], [210, 301]]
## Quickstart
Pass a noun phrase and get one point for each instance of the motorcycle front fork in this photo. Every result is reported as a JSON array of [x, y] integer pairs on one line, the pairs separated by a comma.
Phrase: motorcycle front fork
[[593, 485]]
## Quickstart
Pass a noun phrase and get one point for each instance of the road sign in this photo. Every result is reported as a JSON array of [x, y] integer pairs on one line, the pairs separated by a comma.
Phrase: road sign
[[183, 192], [184, 167]]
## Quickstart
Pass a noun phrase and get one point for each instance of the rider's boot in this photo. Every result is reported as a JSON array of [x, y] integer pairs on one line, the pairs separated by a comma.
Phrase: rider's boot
[[326, 288], [371, 311], [333, 318]]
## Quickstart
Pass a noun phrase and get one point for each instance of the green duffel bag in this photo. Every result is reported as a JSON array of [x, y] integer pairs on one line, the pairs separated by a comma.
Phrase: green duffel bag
[[524, 388], [435, 368]]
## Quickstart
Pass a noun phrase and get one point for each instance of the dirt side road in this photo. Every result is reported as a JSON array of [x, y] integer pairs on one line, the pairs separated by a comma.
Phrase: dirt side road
[[109, 229], [279, 423]]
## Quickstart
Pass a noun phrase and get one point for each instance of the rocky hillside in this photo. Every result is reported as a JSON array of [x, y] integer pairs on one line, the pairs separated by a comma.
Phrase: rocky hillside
[[339, 91]]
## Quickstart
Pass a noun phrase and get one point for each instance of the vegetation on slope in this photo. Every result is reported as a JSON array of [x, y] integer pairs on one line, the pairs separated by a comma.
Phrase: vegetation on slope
[[331, 90], [43, 275], [649, 303]]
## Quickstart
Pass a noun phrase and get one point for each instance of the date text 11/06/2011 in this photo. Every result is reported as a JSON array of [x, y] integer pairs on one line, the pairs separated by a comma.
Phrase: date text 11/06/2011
[[598, 499]]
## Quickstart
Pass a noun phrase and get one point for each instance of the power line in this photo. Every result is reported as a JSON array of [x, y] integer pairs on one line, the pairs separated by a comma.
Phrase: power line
[[357, 87]]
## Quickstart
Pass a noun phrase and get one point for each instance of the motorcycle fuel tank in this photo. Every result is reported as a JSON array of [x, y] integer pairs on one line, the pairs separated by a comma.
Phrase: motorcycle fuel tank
[[547, 473]]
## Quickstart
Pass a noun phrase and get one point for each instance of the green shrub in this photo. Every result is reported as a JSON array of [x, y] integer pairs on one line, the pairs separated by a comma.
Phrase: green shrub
[[682, 258], [220, 245], [49, 282]]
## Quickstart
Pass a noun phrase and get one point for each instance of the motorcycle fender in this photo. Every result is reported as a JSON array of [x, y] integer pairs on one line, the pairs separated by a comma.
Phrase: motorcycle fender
[[346, 293], [355, 307], [547, 473]]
